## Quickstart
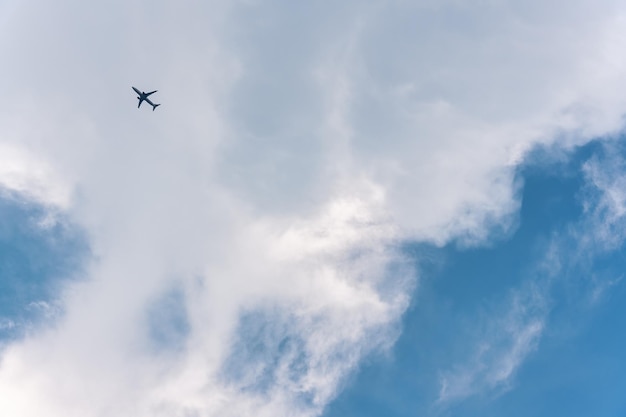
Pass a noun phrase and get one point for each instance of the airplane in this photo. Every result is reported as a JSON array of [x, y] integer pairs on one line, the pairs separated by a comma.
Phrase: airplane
[[144, 97]]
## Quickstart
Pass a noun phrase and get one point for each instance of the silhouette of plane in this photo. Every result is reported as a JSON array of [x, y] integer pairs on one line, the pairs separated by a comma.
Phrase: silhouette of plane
[[144, 97]]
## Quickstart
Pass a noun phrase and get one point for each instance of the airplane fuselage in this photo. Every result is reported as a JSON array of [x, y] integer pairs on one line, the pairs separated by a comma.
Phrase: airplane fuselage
[[142, 96]]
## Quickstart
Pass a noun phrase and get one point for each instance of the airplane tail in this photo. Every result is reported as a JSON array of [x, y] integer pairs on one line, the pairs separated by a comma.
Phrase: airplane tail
[[154, 106]]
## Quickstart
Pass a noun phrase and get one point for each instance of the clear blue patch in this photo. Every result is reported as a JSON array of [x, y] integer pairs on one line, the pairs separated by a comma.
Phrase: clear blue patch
[[168, 322], [35, 260], [265, 351]]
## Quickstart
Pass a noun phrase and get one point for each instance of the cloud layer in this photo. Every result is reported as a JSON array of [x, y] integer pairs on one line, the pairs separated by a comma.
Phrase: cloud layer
[[264, 204]]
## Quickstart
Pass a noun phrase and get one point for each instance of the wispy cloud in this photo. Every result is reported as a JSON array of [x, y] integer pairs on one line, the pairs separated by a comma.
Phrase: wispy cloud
[[510, 333], [605, 202], [6, 323]]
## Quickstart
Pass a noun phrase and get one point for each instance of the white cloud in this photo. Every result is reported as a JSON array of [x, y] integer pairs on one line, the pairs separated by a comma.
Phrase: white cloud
[[327, 277], [24, 173], [296, 146]]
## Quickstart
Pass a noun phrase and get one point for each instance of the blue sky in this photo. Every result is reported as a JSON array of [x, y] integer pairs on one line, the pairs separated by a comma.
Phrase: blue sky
[[35, 261], [384, 208], [576, 368]]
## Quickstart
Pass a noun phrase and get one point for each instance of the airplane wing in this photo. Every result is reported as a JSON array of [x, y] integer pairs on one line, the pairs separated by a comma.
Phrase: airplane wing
[[140, 101], [151, 92], [137, 91]]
